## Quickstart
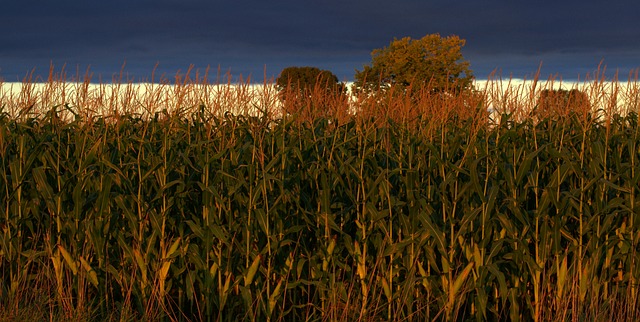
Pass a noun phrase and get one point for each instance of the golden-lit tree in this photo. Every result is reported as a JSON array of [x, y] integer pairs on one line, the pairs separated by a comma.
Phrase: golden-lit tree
[[433, 61]]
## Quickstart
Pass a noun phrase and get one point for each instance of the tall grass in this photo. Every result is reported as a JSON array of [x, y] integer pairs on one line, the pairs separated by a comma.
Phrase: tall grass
[[199, 201]]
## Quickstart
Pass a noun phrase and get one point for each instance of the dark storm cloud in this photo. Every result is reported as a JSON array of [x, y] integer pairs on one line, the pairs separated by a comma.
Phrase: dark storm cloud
[[568, 37]]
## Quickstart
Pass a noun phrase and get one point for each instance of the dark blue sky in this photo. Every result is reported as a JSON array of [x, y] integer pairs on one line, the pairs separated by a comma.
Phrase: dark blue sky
[[568, 37]]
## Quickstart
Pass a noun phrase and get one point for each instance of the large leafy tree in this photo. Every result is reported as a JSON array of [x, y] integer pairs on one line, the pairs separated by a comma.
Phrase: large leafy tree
[[433, 61], [309, 91], [560, 102], [304, 80]]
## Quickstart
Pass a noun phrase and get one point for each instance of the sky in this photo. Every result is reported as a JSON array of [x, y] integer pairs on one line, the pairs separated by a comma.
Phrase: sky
[[254, 38]]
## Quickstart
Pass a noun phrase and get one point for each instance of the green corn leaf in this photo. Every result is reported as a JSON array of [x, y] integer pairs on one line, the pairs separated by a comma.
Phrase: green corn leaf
[[251, 272], [68, 259], [92, 275]]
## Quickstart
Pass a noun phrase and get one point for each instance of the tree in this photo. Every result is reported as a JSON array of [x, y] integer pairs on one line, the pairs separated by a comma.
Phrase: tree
[[309, 87], [432, 61], [561, 102], [304, 80]]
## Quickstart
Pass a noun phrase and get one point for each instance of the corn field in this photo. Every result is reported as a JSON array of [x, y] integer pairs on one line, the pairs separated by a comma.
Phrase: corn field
[[412, 207]]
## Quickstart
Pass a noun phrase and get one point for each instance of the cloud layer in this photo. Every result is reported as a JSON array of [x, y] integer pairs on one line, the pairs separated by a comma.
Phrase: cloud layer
[[570, 37]]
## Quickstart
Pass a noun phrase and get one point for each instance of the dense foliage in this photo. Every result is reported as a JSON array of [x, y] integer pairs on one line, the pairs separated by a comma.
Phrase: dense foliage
[[556, 101], [433, 61], [306, 78], [246, 218], [296, 85]]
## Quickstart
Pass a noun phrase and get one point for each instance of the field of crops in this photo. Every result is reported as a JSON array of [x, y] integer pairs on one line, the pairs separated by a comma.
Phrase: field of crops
[[404, 207]]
